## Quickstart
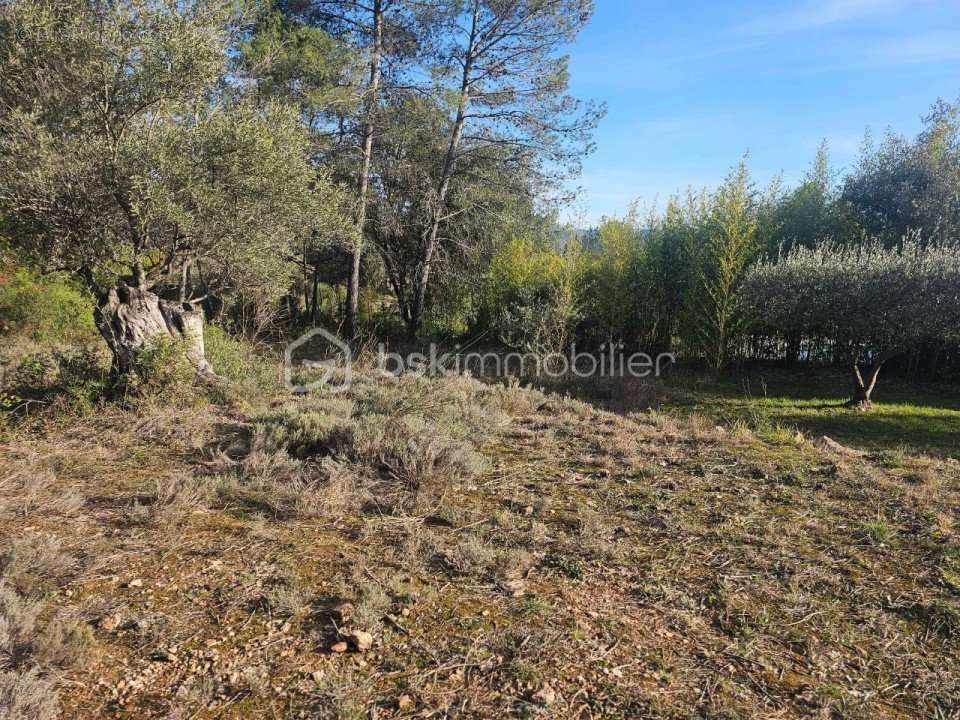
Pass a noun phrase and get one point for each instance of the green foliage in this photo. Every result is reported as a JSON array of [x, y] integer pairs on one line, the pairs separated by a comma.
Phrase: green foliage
[[612, 296], [731, 246], [74, 378], [922, 418], [126, 149], [570, 567], [533, 294], [908, 186], [295, 61], [501, 93], [859, 299], [811, 213], [163, 374], [670, 272], [250, 373], [47, 309]]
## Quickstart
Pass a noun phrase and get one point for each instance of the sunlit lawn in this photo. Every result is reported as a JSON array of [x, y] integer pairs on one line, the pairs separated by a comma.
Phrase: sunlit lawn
[[920, 418]]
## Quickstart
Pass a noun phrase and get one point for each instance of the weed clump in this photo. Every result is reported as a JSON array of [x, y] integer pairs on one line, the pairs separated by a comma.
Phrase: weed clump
[[34, 562], [28, 696], [74, 380], [31, 653], [417, 436]]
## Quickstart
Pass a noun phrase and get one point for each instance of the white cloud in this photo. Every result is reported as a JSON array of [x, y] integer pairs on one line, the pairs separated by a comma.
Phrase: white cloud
[[819, 14], [929, 47]]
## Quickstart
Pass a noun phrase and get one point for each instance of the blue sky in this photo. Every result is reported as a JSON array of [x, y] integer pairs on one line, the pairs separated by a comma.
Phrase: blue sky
[[692, 84]]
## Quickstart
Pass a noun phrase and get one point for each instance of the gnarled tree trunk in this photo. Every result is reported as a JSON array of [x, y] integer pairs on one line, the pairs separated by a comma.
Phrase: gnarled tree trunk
[[130, 319], [863, 389]]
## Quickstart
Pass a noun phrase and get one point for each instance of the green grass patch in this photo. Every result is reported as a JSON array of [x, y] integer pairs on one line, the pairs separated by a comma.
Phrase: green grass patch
[[905, 417]]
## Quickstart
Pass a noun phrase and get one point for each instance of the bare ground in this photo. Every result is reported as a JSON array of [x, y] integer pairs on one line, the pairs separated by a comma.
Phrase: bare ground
[[597, 565]]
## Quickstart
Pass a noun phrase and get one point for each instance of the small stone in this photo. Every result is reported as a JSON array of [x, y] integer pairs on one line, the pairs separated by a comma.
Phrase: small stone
[[362, 640], [339, 647], [515, 588], [137, 582], [828, 444], [110, 623], [545, 695], [404, 702]]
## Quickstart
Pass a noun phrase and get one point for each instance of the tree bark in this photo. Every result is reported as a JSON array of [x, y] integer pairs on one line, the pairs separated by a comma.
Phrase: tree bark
[[373, 88], [130, 319], [863, 389], [314, 303], [449, 163]]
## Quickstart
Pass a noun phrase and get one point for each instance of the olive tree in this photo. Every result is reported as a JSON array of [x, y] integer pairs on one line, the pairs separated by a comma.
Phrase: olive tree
[[869, 301], [127, 158], [910, 185]]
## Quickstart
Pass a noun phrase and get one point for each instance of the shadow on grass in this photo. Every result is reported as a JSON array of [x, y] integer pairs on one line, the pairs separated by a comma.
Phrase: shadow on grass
[[918, 418], [934, 433]]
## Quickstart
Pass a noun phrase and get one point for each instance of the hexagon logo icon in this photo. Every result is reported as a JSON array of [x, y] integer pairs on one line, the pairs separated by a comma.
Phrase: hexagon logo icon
[[333, 359]]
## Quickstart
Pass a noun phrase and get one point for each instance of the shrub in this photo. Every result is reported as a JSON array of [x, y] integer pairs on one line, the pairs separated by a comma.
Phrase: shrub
[[236, 360], [472, 556], [532, 295], [75, 376], [82, 378], [18, 628], [323, 427], [26, 643], [270, 480], [417, 435], [64, 643], [178, 496], [162, 373], [417, 453], [859, 303], [50, 310], [36, 487]]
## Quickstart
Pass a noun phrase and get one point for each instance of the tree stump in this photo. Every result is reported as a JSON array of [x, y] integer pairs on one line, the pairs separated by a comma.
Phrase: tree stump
[[130, 319]]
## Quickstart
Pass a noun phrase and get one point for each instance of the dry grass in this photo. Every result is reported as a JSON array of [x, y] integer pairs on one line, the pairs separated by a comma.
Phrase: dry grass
[[27, 696], [34, 486], [34, 563], [512, 554]]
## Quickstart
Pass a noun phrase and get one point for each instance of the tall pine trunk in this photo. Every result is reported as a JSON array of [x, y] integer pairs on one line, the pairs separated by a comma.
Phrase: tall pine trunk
[[431, 236], [370, 107]]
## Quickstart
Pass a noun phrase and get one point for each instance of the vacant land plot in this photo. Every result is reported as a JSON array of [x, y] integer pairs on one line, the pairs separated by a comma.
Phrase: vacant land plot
[[439, 548]]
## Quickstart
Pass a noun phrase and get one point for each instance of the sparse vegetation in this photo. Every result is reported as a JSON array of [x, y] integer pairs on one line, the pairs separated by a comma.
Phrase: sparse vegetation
[[646, 553], [211, 507]]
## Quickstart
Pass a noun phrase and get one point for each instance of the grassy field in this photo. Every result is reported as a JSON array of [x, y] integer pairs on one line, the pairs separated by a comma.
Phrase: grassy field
[[439, 548], [905, 417]]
